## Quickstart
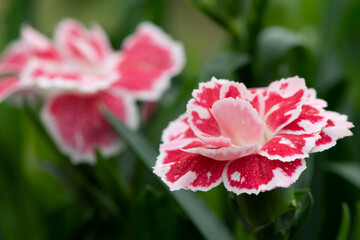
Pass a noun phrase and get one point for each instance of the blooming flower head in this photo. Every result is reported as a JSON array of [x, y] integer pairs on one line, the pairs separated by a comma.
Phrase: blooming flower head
[[252, 140], [78, 71]]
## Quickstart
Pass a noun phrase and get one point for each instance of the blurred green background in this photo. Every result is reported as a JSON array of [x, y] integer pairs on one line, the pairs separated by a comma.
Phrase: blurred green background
[[43, 196]]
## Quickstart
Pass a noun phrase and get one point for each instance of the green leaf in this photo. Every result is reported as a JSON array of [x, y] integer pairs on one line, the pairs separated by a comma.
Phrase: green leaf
[[14, 13], [357, 221], [225, 13], [345, 223], [274, 42], [199, 213], [350, 171], [304, 202], [224, 65]]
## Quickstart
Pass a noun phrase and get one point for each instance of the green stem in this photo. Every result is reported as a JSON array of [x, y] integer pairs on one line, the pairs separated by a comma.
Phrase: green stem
[[271, 215], [262, 209]]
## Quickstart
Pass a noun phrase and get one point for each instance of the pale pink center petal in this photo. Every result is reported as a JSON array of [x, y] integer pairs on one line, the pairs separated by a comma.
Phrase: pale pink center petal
[[239, 121], [224, 154]]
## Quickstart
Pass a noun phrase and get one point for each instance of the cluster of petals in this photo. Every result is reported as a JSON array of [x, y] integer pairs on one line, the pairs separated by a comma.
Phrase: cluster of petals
[[252, 140], [78, 71]]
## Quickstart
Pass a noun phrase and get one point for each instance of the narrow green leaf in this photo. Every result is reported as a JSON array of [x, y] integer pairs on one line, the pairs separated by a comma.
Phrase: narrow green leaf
[[274, 42], [357, 221], [349, 171], [199, 213], [345, 223], [304, 202]]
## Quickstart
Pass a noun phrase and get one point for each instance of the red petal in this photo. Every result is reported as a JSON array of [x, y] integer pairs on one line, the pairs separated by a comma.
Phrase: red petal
[[85, 45], [310, 120], [313, 101], [8, 86], [182, 170], [149, 59], [257, 102], [336, 128], [288, 147], [37, 45], [14, 58], [178, 129], [77, 126], [233, 90], [32, 44], [201, 120], [255, 173], [283, 103]]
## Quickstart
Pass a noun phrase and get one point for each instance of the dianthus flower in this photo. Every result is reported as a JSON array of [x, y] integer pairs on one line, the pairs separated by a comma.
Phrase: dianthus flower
[[78, 71], [252, 140]]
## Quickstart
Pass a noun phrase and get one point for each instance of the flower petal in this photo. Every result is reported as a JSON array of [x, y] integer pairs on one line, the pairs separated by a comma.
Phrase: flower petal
[[311, 119], [14, 58], [85, 45], [8, 85], [178, 135], [77, 126], [201, 120], [283, 103], [183, 170], [337, 127], [257, 101], [223, 154], [313, 101], [32, 44], [65, 76], [255, 173], [149, 59], [288, 147], [239, 121], [233, 90], [177, 129], [37, 45]]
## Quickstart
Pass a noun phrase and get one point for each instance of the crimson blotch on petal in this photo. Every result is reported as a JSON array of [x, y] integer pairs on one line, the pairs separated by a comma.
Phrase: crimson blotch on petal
[[252, 140]]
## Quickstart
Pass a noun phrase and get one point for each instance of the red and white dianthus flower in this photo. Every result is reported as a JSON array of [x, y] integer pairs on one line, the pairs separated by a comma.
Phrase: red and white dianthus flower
[[78, 71], [252, 140]]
